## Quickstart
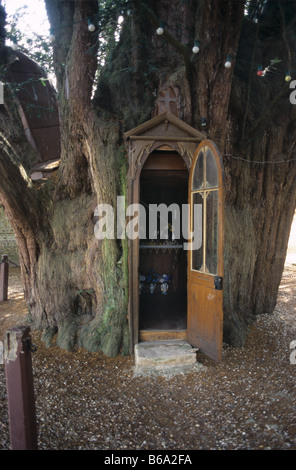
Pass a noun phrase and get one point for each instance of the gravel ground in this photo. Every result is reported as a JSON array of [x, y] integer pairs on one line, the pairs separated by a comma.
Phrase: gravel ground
[[87, 401]]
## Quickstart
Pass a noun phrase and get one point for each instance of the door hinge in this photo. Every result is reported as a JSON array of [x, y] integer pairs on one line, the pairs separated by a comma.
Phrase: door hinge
[[218, 283]]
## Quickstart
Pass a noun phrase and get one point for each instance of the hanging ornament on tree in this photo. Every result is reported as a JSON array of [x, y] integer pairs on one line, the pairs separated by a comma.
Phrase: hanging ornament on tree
[[228, 62], [51, 36], [160, 29], [288, 77], [259, 71], [195, 48], [91, 26]]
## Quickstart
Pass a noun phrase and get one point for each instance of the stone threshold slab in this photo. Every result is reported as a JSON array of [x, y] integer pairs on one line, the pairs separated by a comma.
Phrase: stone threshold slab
[[159, 354]]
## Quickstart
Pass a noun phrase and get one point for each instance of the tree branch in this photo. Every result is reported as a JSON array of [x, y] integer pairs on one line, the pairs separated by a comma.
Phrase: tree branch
[[183, 50], [250, 83], [16, 188], [276, 99], [74, 47], [75, 58]]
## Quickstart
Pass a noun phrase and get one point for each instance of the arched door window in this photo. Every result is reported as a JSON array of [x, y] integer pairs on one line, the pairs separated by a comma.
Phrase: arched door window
[[204, 192]]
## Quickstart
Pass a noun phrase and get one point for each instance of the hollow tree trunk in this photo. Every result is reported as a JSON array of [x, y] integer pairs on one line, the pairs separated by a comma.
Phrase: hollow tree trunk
[[76, 285]]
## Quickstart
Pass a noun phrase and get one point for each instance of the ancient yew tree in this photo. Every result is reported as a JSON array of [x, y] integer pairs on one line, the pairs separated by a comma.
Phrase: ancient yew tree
[[76, 285]]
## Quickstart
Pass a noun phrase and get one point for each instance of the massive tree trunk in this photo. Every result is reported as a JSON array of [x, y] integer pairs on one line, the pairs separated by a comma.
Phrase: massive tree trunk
[[259, 156], [75, 285]]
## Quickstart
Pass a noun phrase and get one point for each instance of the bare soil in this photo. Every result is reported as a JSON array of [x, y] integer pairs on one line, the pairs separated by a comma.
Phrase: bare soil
[[87, 401]]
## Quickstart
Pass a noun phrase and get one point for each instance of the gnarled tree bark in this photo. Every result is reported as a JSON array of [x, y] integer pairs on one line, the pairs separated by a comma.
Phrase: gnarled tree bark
[[76, 285]]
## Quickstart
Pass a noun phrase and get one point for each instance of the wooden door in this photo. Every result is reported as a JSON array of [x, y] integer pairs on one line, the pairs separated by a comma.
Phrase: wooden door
[[205, 259]]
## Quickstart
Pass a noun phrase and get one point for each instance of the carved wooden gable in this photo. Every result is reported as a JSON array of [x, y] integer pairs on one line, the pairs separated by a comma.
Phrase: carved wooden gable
[[164, 131]]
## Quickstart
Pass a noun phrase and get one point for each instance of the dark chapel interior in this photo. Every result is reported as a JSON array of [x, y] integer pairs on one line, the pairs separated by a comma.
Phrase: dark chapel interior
[[163, 262]]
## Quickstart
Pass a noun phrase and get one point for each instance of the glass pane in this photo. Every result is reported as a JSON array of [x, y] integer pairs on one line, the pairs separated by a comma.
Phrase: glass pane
[[197, 181], [212, 232], [211, 170], [197, 229]]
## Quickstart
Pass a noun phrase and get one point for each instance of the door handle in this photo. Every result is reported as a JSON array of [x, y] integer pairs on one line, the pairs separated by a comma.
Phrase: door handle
[[218, 283]]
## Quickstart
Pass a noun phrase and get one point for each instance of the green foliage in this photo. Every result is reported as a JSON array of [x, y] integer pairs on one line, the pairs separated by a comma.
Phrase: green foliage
[[37, 47], [108, 25], [272, 14]]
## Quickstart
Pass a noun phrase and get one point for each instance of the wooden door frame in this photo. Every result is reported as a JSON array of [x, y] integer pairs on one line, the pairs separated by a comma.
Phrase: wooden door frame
[[134, 246], [164, 129]]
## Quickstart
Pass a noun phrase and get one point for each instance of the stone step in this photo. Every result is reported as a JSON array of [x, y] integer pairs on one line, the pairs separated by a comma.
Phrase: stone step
[[169, 355]]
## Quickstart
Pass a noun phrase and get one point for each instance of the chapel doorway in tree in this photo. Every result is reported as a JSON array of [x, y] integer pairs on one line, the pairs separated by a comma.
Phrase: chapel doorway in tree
[[162, 260], [165, 153]]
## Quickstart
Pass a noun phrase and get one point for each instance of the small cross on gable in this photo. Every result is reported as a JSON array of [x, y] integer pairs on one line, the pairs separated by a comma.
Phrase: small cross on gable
[[167, 101]]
